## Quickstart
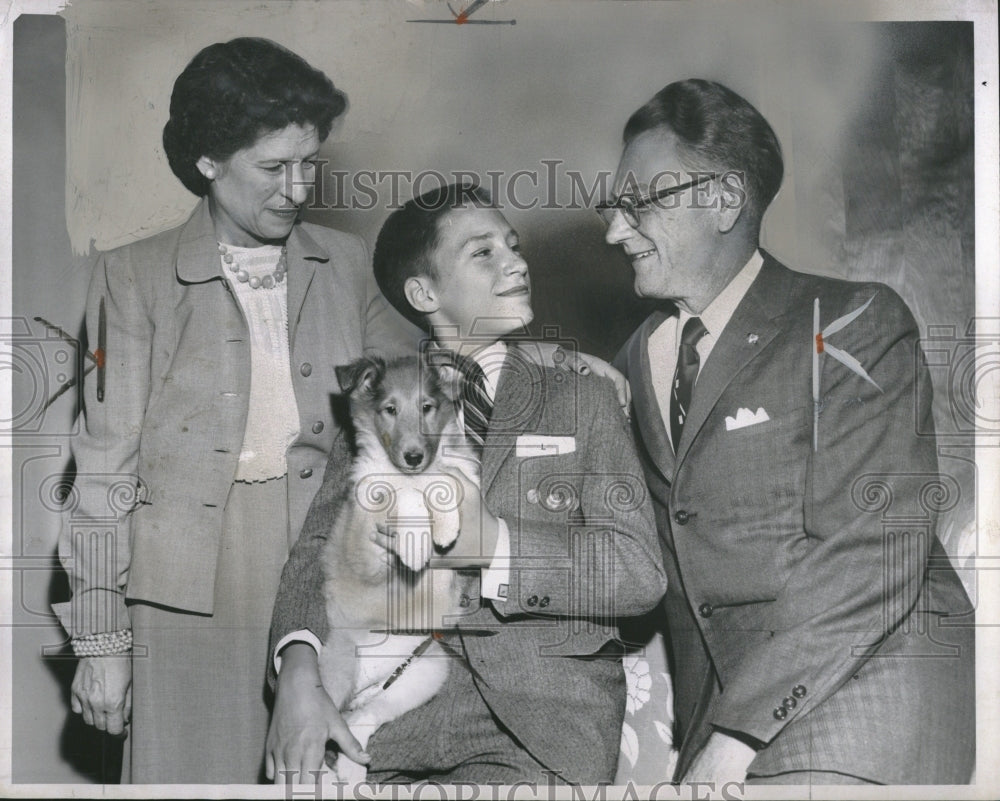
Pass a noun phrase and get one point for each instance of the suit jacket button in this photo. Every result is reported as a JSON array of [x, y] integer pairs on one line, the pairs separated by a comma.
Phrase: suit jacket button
[[533, 600], [780, 713], [318, 427], [544, 602], [799, 691], [705, 610], [464, 600], [305, 472], [306, 369], [681, 517], [789, 703]]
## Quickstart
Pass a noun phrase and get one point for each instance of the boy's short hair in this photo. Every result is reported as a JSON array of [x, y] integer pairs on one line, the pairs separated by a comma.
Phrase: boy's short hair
[[405, 245]]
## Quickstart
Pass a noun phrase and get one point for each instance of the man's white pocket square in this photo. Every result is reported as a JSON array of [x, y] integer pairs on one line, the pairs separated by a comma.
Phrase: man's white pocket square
[[539, 445], [744, 418]]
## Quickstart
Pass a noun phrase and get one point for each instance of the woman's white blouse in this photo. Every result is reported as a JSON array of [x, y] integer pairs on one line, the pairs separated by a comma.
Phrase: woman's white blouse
[[273, 418]]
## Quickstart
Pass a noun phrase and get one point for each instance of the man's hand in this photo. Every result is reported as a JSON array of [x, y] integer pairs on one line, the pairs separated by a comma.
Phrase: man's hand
[[723, 759], [552, 355], [102, 692], [585, 364], [304, 719]]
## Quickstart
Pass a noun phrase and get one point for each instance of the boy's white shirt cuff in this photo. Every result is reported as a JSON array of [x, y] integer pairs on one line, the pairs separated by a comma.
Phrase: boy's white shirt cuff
[[302, 635], [495, 579], [493, 582]]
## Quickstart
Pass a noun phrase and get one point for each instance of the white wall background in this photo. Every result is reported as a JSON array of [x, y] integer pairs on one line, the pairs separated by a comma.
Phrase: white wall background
[[559, 84]]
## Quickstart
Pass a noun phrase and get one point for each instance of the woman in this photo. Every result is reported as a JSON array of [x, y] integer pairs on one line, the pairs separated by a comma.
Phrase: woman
[[208, 425]]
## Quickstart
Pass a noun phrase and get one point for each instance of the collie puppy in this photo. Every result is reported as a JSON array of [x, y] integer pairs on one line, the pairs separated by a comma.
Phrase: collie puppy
[[382, 656]]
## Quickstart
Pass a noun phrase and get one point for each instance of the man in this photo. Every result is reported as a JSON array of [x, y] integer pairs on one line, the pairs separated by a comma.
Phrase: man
[[537, 690], [808, 645]]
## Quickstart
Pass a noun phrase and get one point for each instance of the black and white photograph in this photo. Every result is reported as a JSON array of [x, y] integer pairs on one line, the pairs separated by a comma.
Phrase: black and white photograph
[[499, 399]]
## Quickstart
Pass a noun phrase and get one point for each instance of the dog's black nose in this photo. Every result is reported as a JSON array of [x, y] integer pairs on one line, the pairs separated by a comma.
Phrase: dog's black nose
[[413, 458]]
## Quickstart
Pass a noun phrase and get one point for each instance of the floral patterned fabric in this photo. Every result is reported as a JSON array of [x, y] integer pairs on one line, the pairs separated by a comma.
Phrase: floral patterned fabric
[[647, 754]]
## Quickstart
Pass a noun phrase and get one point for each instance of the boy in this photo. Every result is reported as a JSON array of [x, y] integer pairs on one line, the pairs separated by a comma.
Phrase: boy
[[567, 535]]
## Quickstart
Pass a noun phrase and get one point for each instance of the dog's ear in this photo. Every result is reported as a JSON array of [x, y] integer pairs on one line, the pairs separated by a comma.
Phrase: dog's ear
[[360, 375], [449, 378]]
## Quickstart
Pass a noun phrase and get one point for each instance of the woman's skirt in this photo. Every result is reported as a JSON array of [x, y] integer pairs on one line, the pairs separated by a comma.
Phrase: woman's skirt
[[200, 702]]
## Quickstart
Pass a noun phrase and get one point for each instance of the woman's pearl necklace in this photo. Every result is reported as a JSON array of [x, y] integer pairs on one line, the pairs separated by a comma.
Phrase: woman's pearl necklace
[[267, 282]]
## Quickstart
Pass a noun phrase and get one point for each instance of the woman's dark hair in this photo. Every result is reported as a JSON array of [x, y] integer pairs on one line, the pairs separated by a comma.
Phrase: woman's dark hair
[[716, 130], [408, 238], [232, 93]]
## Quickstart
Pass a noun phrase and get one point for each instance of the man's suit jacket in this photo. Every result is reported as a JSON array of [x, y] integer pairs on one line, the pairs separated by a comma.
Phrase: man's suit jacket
[[806, 588], [175, 406], [584, 553]]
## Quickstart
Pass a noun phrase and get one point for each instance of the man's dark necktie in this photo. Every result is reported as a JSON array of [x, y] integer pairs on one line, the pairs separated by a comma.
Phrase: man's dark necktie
[[688, 362], [476, 404]]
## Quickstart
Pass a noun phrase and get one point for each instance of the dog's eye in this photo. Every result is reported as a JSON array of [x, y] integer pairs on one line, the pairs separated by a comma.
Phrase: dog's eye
[[428, 408], [390, 410]]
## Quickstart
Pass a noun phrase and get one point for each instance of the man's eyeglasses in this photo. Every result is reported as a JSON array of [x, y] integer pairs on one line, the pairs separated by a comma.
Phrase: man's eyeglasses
[[630, 206]]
